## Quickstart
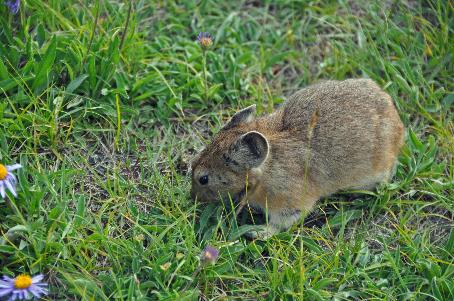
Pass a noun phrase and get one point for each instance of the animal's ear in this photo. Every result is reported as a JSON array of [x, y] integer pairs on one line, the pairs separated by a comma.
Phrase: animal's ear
[[248, 151], [192, 162], [243, 116]]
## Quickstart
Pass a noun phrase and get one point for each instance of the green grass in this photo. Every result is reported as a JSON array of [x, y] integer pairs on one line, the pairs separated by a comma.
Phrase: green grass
[[104, 115]]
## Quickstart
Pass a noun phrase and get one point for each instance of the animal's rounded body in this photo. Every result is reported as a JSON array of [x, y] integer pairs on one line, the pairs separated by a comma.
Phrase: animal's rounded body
[[331, 136]]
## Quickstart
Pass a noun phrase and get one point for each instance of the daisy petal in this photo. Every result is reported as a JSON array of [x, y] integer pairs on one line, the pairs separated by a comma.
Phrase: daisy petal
[[16, 295], [10, 187], [13, 167], [4, 284], [37, 291], [22, 294], [6, 291], [2, 189], [27, 294], [12, 178], [37, 278]]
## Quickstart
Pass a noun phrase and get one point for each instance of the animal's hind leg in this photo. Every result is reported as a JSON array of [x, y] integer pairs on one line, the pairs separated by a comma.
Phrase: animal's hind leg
[[392, 172], [372, 182]]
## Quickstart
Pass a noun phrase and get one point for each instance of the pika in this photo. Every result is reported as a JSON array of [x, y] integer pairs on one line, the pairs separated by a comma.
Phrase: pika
[[327, 137]]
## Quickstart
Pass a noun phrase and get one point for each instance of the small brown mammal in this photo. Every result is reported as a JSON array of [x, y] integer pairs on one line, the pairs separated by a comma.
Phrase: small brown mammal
[[330, 136]]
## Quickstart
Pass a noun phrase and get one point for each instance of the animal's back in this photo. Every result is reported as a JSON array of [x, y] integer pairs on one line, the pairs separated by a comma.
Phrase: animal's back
[[355, 130]]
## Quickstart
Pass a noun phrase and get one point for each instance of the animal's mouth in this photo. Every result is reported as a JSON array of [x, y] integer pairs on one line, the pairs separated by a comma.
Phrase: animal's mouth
[[236, 198], [239, 196]]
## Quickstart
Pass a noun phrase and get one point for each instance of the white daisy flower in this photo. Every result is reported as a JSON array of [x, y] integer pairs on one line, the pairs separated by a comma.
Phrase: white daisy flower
[[7, 179], [23, 287]]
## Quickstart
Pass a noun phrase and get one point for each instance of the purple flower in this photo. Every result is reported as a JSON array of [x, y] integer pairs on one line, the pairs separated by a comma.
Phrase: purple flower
[[13, 5], [209, 255], [7, 179], [23, 287], [205, 40]]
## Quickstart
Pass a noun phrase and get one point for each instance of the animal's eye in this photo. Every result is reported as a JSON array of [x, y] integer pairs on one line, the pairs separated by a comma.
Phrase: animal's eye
[[203, 180]]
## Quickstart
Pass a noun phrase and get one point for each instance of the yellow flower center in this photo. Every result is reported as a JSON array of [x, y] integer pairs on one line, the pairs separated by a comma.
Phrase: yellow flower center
[[3, 172], [206, 42], [208, 255], [22, 281]]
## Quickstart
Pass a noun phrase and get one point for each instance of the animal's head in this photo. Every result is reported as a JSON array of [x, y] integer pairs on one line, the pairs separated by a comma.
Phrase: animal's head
[[224, 167]]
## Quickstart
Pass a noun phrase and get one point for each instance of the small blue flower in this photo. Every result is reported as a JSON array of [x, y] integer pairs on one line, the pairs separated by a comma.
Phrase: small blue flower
[[205, 40], [209, 255], [23, 287], [13, 6]]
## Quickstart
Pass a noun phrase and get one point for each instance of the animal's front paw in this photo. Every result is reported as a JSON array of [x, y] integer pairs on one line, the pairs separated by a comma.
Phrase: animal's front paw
[[264, 233]]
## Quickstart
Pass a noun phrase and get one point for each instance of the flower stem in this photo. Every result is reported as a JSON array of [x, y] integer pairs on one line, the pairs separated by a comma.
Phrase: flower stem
[[205, 74], [92, 36], [117, 136], [123, 36], [196, 272]]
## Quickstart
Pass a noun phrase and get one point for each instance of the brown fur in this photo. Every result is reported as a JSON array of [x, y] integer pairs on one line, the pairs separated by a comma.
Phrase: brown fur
[[331, 136]]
